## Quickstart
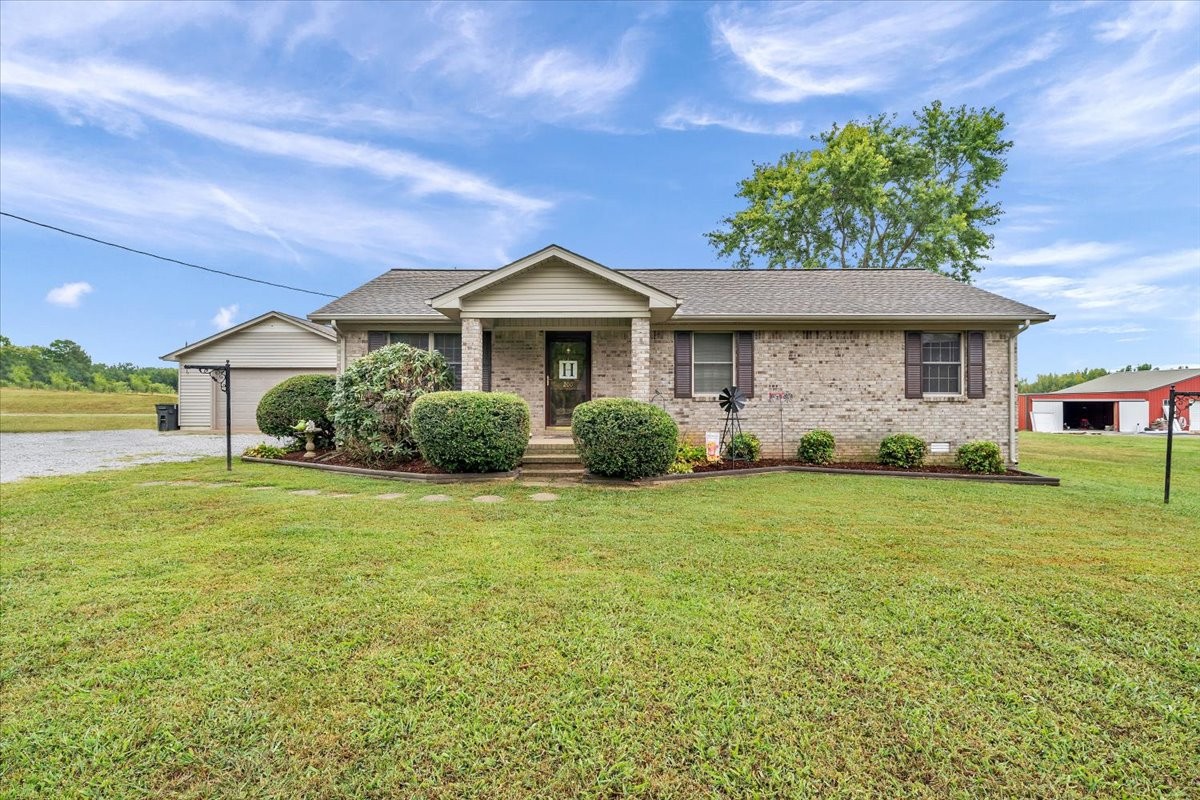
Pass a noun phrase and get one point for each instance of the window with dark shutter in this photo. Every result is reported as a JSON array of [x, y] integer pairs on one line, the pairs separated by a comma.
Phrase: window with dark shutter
[[683, 363], [975, 362], [912, 364], [745, 362], [376, 340], [487, 361]]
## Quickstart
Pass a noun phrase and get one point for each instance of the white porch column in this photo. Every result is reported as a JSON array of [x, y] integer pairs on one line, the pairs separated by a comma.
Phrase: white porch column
[[472, 355], [639, 358]]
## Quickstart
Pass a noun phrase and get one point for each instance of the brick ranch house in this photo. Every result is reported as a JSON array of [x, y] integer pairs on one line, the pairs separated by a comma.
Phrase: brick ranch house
[[862, 353]]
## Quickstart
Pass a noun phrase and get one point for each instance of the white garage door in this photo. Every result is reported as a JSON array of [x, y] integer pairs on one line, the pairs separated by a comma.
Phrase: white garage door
[[1135, 415], [249, 385], [1047, 416]]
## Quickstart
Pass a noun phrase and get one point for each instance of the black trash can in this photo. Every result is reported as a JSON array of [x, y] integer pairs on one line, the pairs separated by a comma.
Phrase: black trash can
[[168, 416]]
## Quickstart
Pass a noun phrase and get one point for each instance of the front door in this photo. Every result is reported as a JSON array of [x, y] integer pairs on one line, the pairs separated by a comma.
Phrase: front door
[[568, 375]]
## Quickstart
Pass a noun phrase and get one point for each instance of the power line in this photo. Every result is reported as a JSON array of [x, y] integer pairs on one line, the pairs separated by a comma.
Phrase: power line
[[165, 258]]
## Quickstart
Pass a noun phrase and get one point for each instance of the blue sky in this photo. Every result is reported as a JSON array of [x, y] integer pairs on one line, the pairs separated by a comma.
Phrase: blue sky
[[320, 144]]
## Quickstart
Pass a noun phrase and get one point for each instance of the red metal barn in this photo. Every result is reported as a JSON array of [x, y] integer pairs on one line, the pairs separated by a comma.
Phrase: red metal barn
[[1120, 401]]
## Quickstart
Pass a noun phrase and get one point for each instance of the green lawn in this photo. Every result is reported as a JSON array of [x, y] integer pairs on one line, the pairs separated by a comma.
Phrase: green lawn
[[779, 636], [28, 410]]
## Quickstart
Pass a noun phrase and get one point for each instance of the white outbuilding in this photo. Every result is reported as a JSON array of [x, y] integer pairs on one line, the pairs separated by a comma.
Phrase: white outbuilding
[[262, 352]]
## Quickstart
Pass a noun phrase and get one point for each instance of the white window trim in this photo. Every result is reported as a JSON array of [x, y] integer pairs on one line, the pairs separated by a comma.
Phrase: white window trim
[[732, 364], [962, 377]]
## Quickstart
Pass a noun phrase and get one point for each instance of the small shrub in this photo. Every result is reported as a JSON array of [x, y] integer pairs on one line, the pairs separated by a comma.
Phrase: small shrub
[[373, 396], [981, 457], [301, 397], [681, 468], [690, 453], [264, 450], [621, 438], [471, 431], [744, 447], [816, 447], [902, 450]]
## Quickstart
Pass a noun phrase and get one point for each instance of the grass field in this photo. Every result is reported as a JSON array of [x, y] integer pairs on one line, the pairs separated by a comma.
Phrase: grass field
[[776, 636], [29, 410]]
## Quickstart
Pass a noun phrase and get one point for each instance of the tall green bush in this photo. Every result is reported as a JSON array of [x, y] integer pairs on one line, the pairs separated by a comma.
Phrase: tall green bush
[[299, 398], [373, 396], [621, 438], [744, 447], [902, 450], [471, 431]]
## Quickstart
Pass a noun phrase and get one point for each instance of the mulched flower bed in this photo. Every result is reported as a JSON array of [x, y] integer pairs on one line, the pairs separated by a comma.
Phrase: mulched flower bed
[[728, 465], [337, 459]]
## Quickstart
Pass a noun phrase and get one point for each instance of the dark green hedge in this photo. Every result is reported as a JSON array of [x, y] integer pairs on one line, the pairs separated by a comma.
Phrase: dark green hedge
[[471, 431], [816, 447], [302, 397], [620, 438]]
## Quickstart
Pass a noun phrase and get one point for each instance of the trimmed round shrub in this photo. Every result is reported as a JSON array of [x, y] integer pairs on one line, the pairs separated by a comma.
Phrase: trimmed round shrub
[[816, 447], [471, 431], [373, 396], [902, 450], [299, 398], [621, 438], [744, 447], [981, 457]]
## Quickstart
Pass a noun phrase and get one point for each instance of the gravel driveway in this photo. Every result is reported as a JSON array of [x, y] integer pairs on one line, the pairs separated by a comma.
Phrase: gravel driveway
[[24, 455]]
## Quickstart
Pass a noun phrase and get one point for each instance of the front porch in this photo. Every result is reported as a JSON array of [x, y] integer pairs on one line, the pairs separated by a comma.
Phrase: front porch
[[555, 364]]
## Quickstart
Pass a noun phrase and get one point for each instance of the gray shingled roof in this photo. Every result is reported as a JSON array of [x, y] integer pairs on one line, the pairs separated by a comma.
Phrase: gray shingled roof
[[727, 292], [1131, 381]]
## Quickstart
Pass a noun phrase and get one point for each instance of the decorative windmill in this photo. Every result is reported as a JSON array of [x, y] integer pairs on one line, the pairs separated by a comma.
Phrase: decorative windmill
[[732, 402]]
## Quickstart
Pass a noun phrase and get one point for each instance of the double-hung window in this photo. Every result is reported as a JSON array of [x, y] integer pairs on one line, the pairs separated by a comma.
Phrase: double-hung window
[[448, 344], [941, 363], [712, 362]]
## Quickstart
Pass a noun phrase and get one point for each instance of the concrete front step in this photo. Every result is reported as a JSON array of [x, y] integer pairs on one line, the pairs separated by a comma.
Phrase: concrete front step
[[550, 458], [568, 448], [551, 475]]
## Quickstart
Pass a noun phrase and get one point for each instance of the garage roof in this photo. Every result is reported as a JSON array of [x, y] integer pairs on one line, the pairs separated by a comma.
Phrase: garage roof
[[1142, 381]]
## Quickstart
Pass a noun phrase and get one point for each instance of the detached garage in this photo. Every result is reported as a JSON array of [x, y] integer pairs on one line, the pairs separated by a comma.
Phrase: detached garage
[[262, 352], [1120, 401]]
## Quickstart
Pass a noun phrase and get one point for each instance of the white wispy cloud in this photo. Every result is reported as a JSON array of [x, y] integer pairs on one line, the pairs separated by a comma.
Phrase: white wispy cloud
[[316, 218], [225, 316], [1113, 330], [1142, 88], [1059, 253], [685, 116], [1039, 50], [69, 295], [794, 52]]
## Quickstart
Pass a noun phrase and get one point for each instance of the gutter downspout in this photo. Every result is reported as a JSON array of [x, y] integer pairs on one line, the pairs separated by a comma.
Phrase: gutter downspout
[[1012, 391]]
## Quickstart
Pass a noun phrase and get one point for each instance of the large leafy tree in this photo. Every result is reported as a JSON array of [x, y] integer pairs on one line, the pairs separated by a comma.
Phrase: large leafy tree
[[876, 194]]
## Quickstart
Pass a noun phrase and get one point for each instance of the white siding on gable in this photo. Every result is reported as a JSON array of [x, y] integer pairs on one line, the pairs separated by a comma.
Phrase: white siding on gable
[[554, 288], [271, 343]]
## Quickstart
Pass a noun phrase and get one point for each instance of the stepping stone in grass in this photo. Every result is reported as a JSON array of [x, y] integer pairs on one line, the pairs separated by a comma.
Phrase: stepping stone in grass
[[306, 492], [340, 494], [260, 488], [543, 497], [392, 496], [488, 498], [435, 498], [155, 483]]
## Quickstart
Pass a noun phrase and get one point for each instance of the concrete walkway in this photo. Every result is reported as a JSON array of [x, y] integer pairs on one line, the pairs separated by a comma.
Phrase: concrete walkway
[[26, 455]]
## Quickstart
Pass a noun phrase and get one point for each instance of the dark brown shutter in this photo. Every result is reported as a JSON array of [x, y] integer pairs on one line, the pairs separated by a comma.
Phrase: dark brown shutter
[[745, 362], [912, 364], [487, 361], [975, 388], [376, 340], [683, 363]]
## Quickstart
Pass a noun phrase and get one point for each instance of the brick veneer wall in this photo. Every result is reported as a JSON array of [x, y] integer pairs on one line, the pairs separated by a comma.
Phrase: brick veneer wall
[[848, 382]]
